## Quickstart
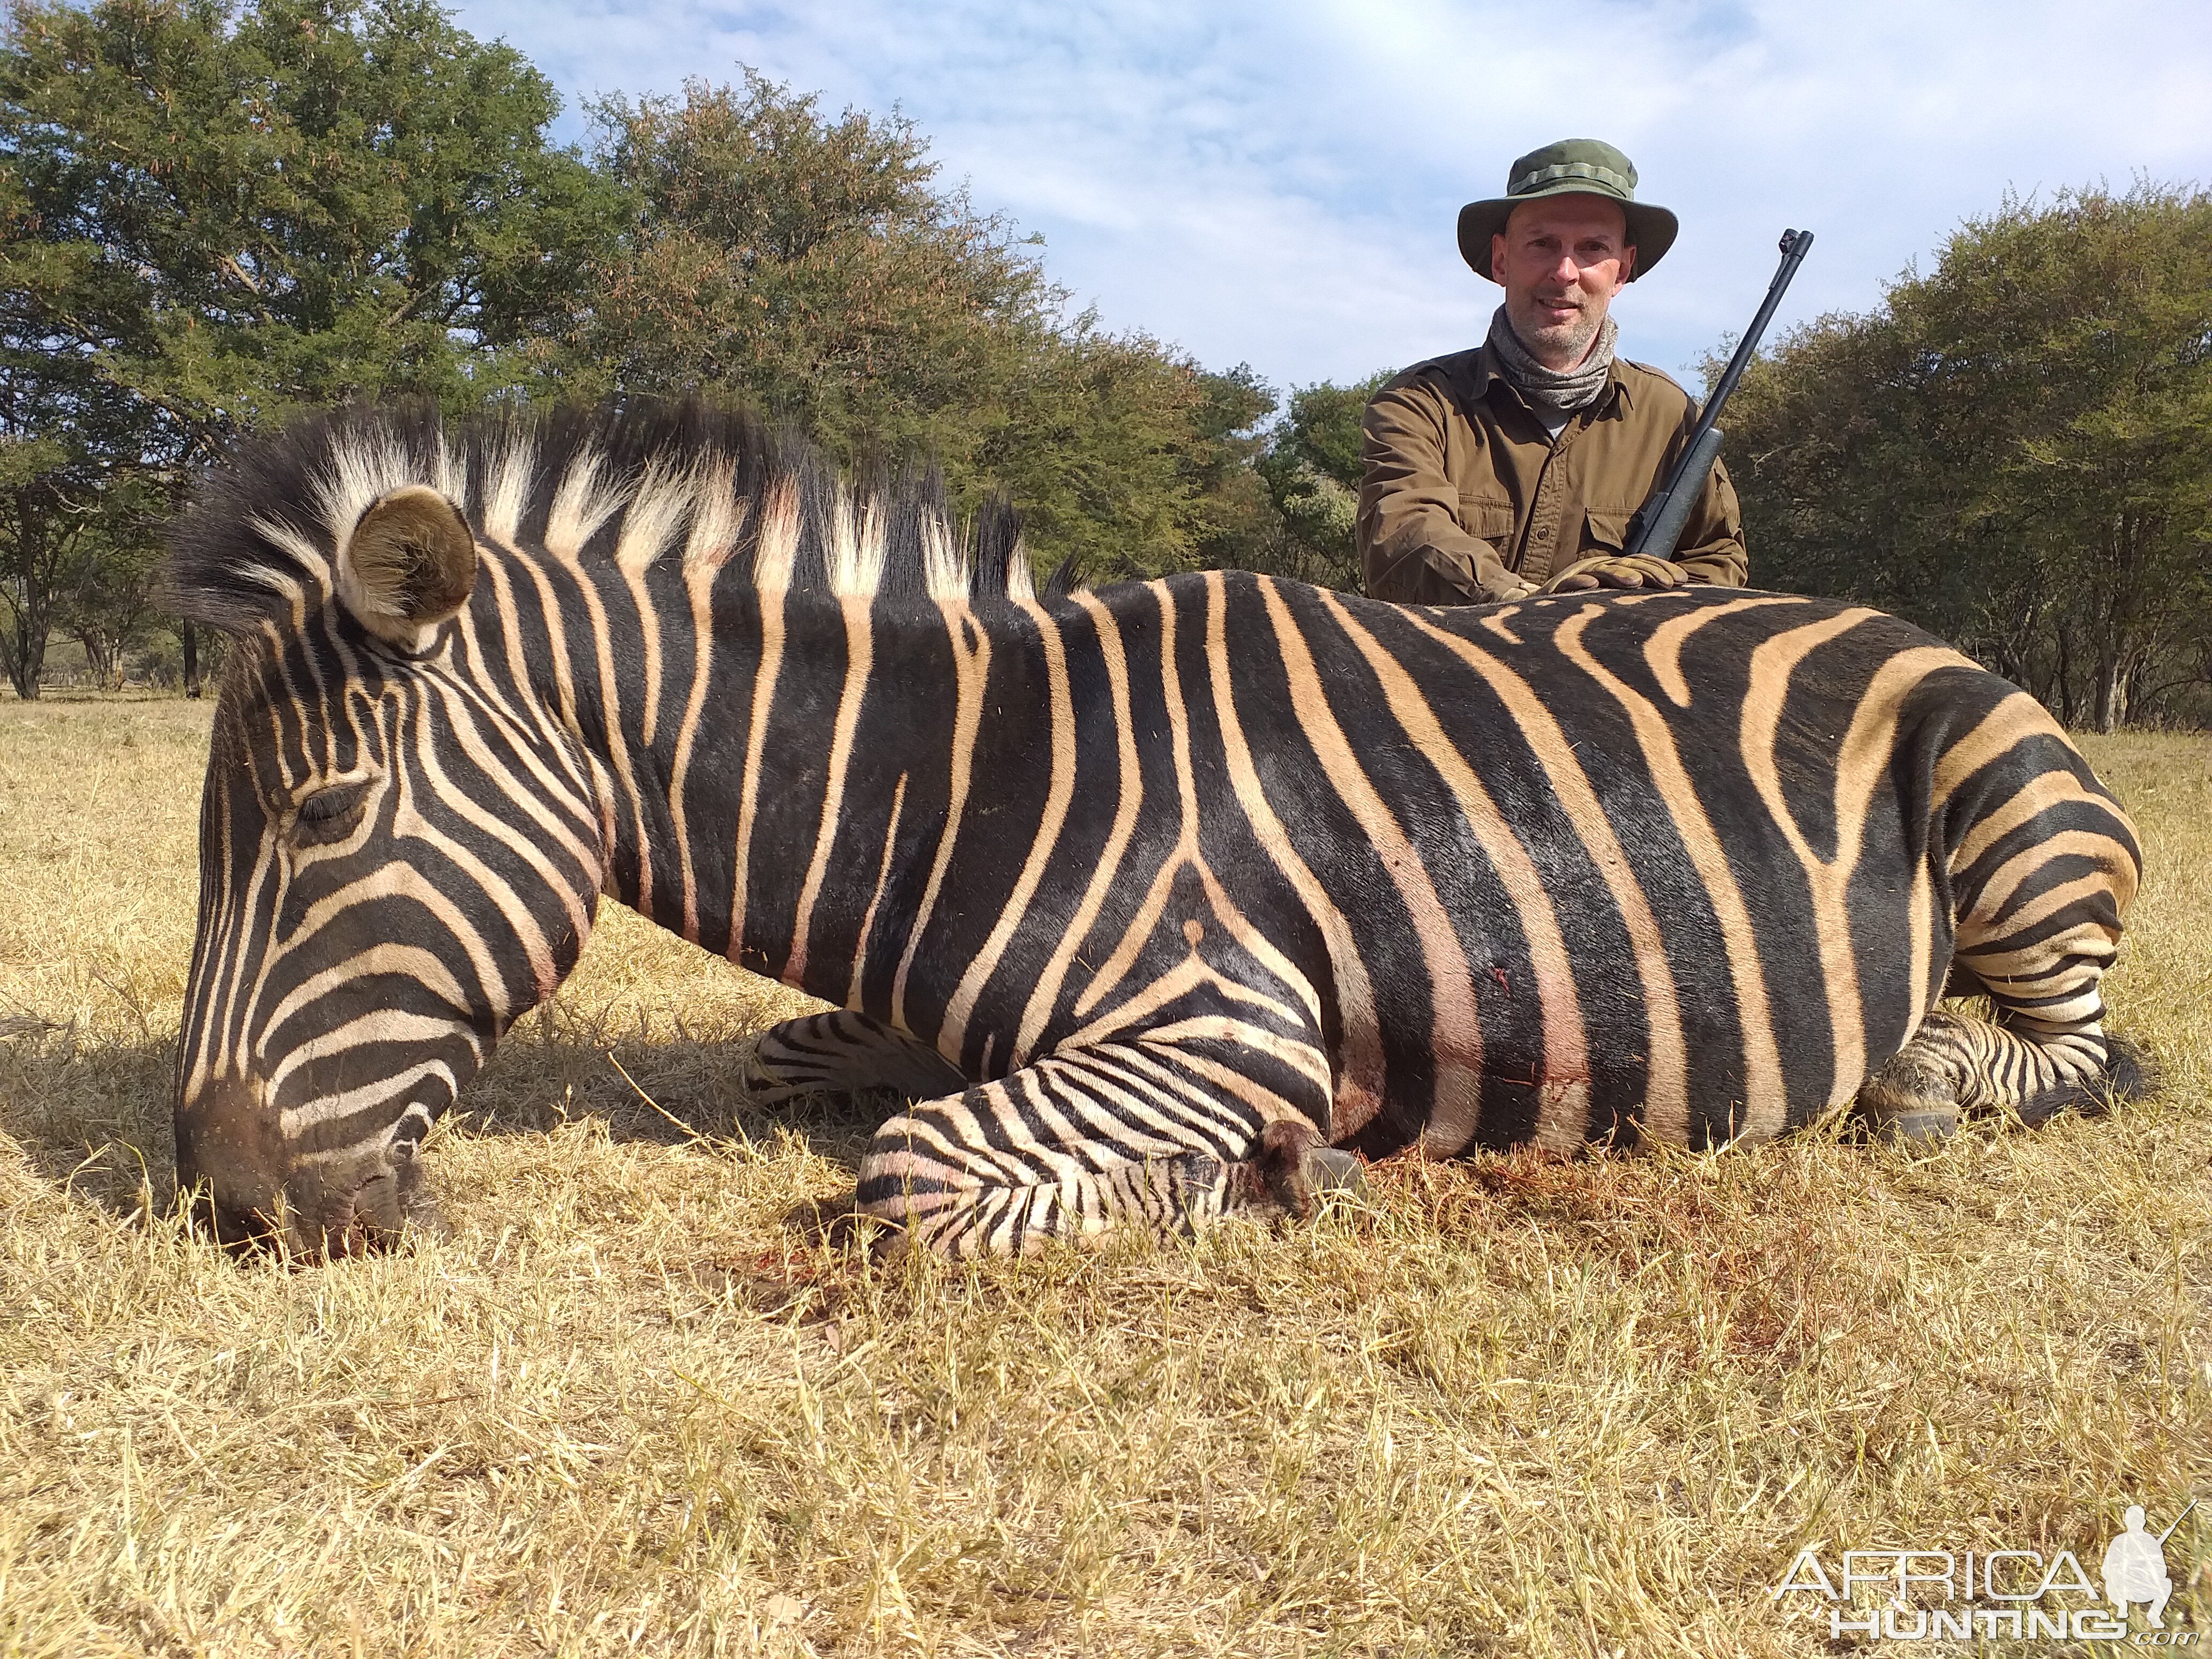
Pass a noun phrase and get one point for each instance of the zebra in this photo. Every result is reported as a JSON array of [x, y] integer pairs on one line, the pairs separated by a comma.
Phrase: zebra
[[1165, 902]]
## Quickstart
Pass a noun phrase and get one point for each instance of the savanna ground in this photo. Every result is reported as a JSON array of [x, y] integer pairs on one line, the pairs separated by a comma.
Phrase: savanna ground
[[1515, 1407]]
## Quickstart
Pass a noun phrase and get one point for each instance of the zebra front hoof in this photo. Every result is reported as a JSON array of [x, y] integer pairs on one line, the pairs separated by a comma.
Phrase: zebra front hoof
[[1329, 1171], [1295, 1168], [1921, 1129], [1913, 1100]]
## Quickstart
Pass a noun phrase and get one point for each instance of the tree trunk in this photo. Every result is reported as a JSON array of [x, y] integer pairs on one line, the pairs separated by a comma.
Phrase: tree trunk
[[2108, 710], [2136, 690], [26, 656], [31, 606], [99, 657], [188, 637]]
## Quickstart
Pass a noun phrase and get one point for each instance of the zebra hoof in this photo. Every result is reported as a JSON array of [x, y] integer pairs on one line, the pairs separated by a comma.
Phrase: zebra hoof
[[1922, 1128], [1328, 1171], [1295, 1167]]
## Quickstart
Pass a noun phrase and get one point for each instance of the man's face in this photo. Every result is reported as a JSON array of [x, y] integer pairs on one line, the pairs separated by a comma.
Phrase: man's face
[[1562, 260]]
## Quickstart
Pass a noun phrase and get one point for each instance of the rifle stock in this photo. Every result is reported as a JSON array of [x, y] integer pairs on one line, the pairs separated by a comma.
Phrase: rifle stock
[[1657, 525]]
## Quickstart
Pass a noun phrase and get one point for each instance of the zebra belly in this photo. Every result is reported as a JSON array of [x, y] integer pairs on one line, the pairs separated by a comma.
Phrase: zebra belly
[[1701, 1037]]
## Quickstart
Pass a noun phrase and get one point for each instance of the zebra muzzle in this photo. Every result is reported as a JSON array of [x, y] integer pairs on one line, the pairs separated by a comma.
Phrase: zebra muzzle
[[363, 1203], [251, 1191]]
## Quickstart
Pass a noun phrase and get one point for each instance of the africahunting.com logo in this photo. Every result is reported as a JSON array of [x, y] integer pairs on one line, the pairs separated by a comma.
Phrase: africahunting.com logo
[[1938, 1594]]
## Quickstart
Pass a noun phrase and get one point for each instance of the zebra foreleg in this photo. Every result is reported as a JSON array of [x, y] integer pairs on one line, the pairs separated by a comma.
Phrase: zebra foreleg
[[1956, 1064], [844, 1053], [1080, 1145]]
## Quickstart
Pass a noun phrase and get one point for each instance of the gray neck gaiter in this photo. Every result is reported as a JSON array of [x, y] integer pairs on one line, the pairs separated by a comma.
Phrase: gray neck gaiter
[[1547, 389]]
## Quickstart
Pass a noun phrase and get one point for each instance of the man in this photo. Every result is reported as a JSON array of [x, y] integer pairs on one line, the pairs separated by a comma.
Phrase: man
[[1494, 472]]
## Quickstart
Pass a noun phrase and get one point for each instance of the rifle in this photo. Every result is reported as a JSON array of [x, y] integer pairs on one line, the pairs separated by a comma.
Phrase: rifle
[[2178, 1520], [1658, 523]]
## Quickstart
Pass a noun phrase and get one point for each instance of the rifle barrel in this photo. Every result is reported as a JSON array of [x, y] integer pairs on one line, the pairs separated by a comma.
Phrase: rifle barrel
[[2178, 1520], [1795, 243], [1669, 507], [1659, 537]]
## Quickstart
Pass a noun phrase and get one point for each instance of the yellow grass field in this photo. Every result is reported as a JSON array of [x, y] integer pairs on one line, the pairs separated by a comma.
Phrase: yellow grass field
[[1516, 1407]]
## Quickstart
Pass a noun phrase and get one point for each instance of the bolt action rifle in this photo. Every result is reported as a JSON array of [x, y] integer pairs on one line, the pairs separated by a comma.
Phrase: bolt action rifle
[[1658, 523]]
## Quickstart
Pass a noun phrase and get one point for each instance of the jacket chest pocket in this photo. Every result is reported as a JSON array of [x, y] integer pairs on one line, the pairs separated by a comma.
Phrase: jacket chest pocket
[[1488, 517], [1605, 531]]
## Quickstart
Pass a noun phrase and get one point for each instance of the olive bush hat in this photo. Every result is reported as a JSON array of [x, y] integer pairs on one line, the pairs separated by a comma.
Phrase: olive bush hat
[[1573, 166]]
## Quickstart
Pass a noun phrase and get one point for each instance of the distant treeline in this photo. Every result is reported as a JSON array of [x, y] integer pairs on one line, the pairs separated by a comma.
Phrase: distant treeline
[[217, 214], [2015, 451], [213, 215]]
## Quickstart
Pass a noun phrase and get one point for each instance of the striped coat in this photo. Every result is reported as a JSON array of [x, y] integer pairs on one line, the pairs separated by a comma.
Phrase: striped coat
[[1148, 896]]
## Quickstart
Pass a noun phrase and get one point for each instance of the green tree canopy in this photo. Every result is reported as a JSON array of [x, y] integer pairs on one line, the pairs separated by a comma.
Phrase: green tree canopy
[[231, 211], [807, 264], [811, 266], [213, 213], [1312, 471], [2015, 450]]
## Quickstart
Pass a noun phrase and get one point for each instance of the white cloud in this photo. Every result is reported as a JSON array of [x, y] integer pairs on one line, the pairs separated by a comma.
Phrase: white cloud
[[1278, 184]]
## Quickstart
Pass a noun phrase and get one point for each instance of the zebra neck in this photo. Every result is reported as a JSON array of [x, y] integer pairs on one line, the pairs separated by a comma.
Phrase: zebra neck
[[798, 769]]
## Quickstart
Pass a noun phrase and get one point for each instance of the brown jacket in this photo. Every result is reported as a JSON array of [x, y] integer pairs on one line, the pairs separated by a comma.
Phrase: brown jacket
[[1467, 498]]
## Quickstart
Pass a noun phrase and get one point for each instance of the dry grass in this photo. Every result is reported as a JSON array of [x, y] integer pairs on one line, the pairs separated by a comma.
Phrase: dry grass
[[1520, 1406]]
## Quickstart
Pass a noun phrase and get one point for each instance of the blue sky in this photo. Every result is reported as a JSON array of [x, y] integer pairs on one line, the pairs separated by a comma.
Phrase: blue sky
[[1277, 184]]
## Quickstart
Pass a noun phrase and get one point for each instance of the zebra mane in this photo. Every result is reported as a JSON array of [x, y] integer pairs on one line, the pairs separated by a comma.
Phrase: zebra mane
[[632, 481]]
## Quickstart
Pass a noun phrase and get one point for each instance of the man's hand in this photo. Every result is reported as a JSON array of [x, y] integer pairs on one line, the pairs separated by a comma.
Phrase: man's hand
[[1617, 570], [1506, 588]]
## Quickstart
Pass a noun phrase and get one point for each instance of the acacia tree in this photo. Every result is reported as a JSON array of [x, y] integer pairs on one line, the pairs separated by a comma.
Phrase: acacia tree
[[109, 606], [1236, 521], [2013, 451], [1311, 470], [44, 507], [215, 211], [807, 264], [231, 211], [2084, 333]]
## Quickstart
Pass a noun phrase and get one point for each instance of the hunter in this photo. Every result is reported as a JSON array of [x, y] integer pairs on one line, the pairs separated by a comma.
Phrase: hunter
[[1493, 473]]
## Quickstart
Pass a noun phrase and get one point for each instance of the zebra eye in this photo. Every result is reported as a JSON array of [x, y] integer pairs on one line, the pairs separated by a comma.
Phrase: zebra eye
[[329, 813]]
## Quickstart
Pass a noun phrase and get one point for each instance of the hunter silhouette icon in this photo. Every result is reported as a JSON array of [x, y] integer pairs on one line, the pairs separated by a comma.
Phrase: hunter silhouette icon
[[2134, 1566]]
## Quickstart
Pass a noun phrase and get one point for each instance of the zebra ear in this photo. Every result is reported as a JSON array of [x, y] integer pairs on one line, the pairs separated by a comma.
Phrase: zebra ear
[[408, 565]]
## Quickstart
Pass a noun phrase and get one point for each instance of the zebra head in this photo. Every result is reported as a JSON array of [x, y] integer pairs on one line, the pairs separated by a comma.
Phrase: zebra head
[[399, 850]]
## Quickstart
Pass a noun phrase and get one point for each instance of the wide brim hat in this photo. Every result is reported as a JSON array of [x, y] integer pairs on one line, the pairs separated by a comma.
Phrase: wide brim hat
[[1573, 166]]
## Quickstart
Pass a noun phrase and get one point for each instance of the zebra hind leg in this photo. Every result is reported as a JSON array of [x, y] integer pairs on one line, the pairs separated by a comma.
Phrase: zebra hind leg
[[1078, 1146], [1956, 1064], [2043, 868], [841, 1052]]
